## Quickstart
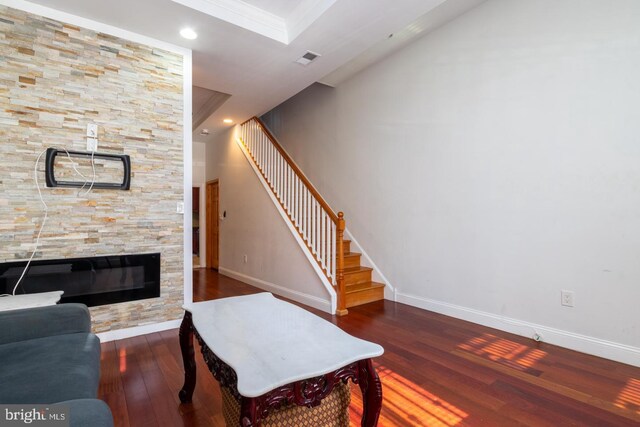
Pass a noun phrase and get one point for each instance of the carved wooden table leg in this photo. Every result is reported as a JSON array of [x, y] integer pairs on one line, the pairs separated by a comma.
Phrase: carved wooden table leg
[[188, 359], [371, 388], [249, 413]]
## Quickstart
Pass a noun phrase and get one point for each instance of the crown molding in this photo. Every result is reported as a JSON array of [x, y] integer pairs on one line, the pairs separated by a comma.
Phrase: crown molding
[[243, 15], [260, 21]]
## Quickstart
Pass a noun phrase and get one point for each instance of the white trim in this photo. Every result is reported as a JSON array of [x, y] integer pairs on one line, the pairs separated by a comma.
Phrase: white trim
[[243, 15], [203, 223], [187, 147], [310, 300], [378, 276], [261, 21], [582, 343], [328, 286], [305, 14], [93, 25], [202, 220], [138, 330]]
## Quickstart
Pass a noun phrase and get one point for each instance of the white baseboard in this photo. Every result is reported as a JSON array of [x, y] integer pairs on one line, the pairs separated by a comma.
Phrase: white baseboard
[[598, 347], [310, 300], [138, 330]]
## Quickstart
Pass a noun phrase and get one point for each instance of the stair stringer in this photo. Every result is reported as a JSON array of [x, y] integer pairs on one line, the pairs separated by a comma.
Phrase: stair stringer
[[378, 276], [303, 246]]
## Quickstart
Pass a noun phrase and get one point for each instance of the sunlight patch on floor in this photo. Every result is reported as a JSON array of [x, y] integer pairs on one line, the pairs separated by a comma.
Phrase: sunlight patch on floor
[[405, 403], [123, 360], [502, 350], [629, 397]]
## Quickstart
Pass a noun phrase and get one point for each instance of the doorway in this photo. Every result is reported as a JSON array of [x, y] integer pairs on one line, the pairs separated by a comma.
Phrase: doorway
[[213, 237]]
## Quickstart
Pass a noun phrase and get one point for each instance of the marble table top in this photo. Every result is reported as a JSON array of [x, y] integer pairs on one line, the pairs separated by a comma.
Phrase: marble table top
[[270, 343], [17, 302]]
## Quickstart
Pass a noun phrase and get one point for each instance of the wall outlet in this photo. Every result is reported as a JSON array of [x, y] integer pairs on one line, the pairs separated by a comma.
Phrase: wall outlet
[[245, 258], [92, 130], [180, 207], [92, 144], [566, 298]]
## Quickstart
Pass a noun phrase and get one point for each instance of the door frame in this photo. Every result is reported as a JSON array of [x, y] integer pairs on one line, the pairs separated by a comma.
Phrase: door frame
[[212, 225]]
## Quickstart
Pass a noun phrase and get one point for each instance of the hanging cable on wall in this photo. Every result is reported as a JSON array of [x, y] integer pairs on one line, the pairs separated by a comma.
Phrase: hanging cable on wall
[[45, 207]]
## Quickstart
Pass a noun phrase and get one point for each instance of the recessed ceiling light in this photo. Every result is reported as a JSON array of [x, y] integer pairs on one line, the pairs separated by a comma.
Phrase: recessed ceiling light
[[228, 121], [188, 34]]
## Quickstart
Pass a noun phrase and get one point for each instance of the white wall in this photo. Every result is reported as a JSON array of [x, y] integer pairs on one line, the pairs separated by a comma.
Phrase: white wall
[[253, 227], [199, 171], [493, 163]]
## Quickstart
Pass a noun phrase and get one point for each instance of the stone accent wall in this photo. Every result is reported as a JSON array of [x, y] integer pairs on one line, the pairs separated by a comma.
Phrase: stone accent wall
[[56, 78]]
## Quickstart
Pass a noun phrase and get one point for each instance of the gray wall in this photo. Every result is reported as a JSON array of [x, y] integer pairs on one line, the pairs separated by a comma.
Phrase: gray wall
[[493, 163], [253, 227]]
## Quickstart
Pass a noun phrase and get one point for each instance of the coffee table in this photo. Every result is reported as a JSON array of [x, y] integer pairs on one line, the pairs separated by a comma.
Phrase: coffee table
[[269, 353]]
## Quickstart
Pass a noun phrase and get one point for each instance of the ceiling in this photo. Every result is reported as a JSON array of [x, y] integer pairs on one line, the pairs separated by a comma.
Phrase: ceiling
[[277, 7], [232, 55]]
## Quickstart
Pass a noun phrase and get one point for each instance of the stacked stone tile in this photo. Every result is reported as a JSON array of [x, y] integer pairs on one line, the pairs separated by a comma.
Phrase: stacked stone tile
[[56, 78]]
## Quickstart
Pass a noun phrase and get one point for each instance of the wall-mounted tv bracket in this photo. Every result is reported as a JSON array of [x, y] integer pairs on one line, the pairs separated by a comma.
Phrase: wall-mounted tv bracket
[[53, 182]]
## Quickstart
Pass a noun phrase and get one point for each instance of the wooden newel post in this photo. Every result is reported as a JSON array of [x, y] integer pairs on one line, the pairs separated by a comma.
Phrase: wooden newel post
[[341, 291]]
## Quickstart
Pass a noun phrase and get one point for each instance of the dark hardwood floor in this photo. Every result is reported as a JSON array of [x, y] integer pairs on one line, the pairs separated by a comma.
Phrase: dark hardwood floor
[[436, 371]]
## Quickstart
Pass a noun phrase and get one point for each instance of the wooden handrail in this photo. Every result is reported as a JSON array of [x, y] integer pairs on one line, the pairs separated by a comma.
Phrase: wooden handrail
[[333, 266], [298, 172]]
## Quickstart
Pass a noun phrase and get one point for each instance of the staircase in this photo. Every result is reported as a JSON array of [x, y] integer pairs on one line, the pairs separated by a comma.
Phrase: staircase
[[319, 227], [359, 287]]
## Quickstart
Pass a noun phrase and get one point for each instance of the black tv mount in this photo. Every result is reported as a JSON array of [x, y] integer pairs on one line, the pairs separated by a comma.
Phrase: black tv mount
[[53, 182]]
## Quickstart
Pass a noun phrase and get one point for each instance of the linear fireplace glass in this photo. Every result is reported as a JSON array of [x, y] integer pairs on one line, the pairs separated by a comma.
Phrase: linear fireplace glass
[[92, 281]]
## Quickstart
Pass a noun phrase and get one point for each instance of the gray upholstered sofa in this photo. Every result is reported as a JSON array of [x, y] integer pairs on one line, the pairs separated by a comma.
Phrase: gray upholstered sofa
[[48, 355]]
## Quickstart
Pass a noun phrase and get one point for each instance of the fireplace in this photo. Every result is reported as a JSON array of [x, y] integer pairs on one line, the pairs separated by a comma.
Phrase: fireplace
[[92, 281]]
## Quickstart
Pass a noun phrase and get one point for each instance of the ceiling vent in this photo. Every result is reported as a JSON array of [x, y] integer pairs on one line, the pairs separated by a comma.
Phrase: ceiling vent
[[307, 58]]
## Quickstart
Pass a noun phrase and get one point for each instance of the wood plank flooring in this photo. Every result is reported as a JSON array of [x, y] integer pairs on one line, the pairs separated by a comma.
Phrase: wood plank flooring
[[436, 371]]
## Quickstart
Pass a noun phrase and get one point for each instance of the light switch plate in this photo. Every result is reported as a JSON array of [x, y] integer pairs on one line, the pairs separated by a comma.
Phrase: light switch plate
[[92, 130]]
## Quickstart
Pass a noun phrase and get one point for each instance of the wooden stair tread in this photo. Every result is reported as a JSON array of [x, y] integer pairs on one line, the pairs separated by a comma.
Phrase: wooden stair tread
[[352, 270], [351, 259], [363, 287], [358, 287], [363, 293]]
